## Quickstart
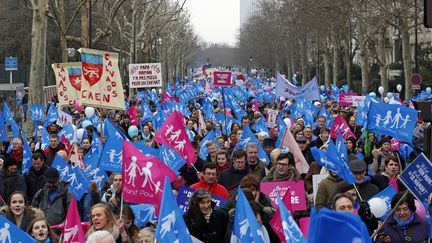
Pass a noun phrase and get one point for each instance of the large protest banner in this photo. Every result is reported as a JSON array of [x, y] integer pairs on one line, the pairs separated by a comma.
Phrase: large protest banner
[[102, 85], [145, 75], [417, 177], [296, 188], [351, 99], [285, 88], [68, 82]]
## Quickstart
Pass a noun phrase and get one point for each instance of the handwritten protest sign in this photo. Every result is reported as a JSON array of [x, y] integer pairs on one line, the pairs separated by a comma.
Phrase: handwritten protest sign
[[298, 195], [145, 75]]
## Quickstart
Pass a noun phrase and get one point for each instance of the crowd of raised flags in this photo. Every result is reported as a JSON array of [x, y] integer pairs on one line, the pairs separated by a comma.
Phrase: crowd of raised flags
[[148, 172]]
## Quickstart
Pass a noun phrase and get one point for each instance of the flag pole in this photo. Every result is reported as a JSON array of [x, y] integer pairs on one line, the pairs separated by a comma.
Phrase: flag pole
[[224, 106], [389, 215], [121, 205], [358, 193]]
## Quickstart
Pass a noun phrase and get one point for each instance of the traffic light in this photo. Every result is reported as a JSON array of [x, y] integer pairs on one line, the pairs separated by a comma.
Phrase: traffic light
[[427, 21]]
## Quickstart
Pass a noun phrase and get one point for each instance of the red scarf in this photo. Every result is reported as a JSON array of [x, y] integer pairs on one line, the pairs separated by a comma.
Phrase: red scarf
[[219, 168]]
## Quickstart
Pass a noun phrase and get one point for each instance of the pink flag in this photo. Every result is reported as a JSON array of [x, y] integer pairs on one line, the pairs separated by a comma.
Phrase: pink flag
[[166, 97], [173, 135], [395, 144], [65, 141], [300, 161], [132, 112], [143, 176], [304, 226], [255, 106], [276, 222], [340, 123], [72, 229]]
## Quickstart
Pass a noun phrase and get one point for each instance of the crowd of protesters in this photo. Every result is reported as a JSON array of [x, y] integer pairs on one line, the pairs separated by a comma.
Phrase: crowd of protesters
[[39, 199]]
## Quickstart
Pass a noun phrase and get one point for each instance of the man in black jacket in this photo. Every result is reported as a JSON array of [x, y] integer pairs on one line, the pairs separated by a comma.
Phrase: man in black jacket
[[35, 179]]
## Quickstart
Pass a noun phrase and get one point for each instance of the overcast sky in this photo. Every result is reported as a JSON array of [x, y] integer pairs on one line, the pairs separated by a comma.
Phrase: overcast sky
[[215, 21]]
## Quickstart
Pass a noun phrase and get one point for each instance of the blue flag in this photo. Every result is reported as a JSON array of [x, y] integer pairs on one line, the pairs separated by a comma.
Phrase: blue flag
[[7, 113], [10, 233], [343, 170], [52, 115], [261, 126], [203, 148], [387, 195], [332, 226], [171, 158], [37, 112], [147, 151], [94, 173], [405, 150], [27, 154], [394, 120], [159, 119], [110, 130], [248, 137], [290, 228], [68, 132], [144, 213], [3, 131], [246, 227], [45, 139], [111, 156], [325, 113], [171, 226], [340, 145], [74, 175]]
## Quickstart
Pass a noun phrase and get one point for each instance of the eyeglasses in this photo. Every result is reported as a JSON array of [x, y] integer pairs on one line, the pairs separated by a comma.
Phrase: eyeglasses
[[283, 164]]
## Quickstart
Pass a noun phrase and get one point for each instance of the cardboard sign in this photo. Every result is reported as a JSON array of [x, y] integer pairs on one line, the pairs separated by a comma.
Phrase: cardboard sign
[[68, 82], [222, 79], [184, 193], [417, 177], [298, 195], [145, 75], [316, 180], [351, 99], [272, 118]]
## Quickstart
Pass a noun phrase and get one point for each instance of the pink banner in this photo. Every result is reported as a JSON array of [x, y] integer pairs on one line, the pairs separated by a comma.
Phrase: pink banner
[[72, 230], [173, 135], [289, 142], [351, 99], [222, 78], [298, 195], [340, 123], [143, 176]]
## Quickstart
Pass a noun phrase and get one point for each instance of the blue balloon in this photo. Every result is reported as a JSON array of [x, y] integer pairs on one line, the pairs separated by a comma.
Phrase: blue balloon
[[322, 88], [428, 90], [133, 131], [389, 95], [86, 123], [372, 94]]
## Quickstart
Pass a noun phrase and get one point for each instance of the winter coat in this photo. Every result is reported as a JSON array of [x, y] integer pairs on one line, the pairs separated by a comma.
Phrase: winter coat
[[214, 188], [379, 156], [326, 190], [418, 230], [366, 188], [190, 174], [212, 231], [11, 183], [231, 177], [272, 176], [50, 153], [219, 168], [55, 211], [382, 182], [35, 181], [259, 169], [29, 215]]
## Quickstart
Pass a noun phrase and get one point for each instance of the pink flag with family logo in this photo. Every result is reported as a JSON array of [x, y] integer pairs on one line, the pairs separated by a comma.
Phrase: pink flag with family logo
[[340, 123], [132, 112], [276, 222], [395, 144], [143, 176], [72, 230], [173, 135]]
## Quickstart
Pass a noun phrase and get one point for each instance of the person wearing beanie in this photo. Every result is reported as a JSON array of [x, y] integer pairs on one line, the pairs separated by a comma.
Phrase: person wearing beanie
[[385, 151], [10, 179]]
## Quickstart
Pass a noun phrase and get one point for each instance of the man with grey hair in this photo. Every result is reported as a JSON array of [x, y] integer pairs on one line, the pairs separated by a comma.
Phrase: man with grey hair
[[100, 236], [255, 165]]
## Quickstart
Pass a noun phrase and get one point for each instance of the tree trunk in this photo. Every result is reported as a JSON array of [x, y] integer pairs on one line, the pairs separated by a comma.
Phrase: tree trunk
[[336, 67], [326, 60], [303, 61], [382, 60], [85, 25], [406, 56], [364, 53], [348, 60], [38, 54]]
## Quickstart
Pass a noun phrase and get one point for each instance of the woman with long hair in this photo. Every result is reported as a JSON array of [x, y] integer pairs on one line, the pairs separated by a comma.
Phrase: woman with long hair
[[102, 218], [19, 212], [40, 230]]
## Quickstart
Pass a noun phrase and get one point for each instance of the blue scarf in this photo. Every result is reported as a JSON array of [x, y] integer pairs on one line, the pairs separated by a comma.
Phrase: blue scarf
[[403, 225]]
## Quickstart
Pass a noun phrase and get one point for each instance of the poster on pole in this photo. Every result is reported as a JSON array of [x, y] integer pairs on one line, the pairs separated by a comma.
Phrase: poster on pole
[[68, 82], [222, 79], [272, 118], [417, 177], [145, 75]]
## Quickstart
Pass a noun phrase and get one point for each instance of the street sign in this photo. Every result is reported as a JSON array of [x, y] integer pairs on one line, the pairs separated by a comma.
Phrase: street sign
[[11, 63], [416, 79], [415, 86]]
